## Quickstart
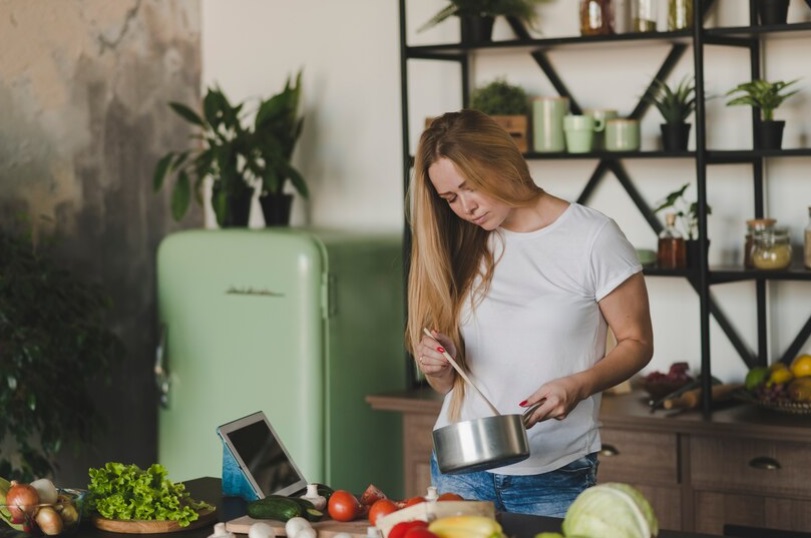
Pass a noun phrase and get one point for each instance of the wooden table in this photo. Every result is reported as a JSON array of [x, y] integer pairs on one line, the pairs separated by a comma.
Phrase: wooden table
[[209, 490]]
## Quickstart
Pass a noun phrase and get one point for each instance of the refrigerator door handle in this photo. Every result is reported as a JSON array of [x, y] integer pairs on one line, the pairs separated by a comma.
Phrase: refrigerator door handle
[[161, 375]]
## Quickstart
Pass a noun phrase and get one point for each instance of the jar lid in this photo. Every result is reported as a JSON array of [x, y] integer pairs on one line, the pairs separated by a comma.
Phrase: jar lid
[[760, 223]]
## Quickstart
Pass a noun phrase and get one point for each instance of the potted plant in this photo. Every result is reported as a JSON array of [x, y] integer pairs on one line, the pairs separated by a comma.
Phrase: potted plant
[[766, 96], [477, 16], [772, 11], [237, 158], [507, 104], [675, 104], [55, 347], [686, 221]]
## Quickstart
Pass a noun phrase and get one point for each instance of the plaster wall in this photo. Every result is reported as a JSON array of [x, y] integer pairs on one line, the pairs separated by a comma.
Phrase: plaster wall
[[83, 93]]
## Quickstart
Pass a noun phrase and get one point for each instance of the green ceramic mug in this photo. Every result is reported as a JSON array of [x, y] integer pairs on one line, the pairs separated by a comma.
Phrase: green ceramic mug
[[622, 134], [598, 114], [579, 131], [547, 123]]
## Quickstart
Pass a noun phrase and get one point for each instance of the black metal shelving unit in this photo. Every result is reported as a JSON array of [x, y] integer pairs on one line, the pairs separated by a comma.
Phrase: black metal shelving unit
[[700, 276]]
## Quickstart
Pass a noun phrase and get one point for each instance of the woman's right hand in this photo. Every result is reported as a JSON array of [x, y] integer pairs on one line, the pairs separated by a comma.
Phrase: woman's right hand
[[430, 359]]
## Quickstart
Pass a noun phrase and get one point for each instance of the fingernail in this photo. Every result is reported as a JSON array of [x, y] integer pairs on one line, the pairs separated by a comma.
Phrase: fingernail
[[440, 349], [523, 404]]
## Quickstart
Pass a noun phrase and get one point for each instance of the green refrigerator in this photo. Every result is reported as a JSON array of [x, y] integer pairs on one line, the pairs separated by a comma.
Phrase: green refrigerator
[[299, 323]]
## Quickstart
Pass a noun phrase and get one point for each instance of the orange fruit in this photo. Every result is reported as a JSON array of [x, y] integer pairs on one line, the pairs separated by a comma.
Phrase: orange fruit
[[801, 366], [448, 496]]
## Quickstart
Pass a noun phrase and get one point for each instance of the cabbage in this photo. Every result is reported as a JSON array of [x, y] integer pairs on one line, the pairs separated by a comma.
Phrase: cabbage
[[610, 510]]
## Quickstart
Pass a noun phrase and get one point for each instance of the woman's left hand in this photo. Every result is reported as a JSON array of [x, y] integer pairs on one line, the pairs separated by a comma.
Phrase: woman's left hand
[[557, 398]]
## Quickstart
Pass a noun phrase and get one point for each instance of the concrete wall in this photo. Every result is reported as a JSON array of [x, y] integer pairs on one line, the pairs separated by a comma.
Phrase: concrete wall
[[83, 118]]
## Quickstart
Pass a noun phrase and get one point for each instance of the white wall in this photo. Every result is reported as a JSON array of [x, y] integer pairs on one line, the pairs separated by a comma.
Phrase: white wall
[[350, 151]]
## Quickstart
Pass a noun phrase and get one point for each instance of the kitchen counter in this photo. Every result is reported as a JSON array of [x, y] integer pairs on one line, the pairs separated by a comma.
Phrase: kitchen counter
[[741, 465], [208, 489]]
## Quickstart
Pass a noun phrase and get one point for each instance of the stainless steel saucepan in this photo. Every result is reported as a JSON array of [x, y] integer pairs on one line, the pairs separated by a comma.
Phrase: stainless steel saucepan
[[482, 443]]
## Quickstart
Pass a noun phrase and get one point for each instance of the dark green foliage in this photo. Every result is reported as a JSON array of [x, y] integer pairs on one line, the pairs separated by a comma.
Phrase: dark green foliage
[[675, 104], [236, 157], [523, 10], [767, 96], [500, 98], [55, 347]]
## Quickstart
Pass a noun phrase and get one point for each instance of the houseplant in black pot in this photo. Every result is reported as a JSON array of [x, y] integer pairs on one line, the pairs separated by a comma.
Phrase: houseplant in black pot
[[772, 11], [237, 158], [766, 96], [278, 127], [675, 105], [56, 346], [476, 17], [507, 104]]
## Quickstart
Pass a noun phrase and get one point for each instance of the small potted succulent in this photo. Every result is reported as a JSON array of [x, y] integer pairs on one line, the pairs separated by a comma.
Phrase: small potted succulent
[[766, 96], [507, 104], [675, 104], [477, 16]]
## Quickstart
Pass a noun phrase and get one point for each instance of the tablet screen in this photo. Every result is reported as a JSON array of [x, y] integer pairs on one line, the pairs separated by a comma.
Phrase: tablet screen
[[262, 456]]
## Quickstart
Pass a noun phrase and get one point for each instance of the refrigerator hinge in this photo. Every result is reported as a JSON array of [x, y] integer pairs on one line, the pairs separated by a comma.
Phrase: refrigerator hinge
[[330, 296]]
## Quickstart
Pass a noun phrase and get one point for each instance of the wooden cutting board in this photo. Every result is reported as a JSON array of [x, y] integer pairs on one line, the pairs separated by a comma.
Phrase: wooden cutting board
[[326, 528], [207, 517]]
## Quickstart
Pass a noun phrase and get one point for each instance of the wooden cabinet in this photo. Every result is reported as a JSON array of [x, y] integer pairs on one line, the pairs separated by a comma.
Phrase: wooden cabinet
[[741, 466], [650, 461], [750, 481]]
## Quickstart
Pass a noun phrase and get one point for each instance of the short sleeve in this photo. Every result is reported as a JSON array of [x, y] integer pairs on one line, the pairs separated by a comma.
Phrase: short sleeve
[[613, 259]]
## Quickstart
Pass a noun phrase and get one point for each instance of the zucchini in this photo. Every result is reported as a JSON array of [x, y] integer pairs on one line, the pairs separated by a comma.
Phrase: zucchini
[[276, 507]]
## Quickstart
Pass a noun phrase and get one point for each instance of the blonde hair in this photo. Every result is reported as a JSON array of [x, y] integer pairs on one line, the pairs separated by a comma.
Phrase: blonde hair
[[450, 259]]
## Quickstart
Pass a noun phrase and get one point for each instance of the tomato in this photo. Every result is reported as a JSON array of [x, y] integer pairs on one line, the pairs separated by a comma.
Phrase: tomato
[[400, 529], [343, 506], [450, 497], [381, 508], [412, 501], [419, 532], [371, 495]]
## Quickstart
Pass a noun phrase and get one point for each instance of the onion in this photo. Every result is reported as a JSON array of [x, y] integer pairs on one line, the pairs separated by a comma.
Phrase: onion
[[49, 521], [22, 500], [46, 490]]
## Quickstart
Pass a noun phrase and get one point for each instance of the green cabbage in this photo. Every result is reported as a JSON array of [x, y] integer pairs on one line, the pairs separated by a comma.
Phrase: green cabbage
[[610, 510]]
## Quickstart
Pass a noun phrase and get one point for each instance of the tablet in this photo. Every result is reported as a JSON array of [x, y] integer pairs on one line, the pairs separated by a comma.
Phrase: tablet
[[261, 455]]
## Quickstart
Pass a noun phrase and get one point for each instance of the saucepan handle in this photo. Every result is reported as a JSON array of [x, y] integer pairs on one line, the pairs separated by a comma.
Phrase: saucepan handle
[[529, 410]]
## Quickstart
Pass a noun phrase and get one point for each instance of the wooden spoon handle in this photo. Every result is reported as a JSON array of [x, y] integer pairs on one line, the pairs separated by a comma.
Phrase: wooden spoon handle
[[465, 377]]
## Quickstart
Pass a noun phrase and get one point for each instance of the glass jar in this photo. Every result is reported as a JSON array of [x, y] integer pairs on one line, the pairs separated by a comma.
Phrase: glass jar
[[679, 14], [772, 249], [596, 17], [753, 227], [671, 252], [643, 15]]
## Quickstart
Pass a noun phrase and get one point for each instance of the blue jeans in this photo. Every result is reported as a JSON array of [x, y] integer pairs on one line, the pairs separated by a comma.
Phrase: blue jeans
[[546, 494]]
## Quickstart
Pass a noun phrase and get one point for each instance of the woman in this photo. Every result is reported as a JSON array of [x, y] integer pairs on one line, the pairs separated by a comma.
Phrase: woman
[[520, 287]]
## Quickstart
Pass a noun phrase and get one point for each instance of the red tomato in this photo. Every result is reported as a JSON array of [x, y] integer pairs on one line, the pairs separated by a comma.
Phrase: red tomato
[[343, 506], [450, 497], [412, 501], [371, 495], [381, 508], [419, 532], [400, 529]]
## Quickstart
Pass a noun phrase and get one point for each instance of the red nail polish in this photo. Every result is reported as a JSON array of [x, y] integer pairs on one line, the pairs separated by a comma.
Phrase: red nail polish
[[440, 349], [523, 404]]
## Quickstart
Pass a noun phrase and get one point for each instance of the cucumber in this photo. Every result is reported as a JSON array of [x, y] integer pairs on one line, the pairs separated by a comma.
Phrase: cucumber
[[277, 508]]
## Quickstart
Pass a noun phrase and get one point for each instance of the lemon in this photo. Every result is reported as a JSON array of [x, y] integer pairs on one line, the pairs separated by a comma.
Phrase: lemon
[[779, 373], [801, 366]]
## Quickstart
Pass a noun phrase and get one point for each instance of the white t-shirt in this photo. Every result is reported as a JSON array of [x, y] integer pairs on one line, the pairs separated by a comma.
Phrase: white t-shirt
[[540, 321]]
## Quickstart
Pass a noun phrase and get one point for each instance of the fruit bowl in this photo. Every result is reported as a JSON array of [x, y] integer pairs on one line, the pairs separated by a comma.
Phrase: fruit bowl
[[47, 519], [659, 384]]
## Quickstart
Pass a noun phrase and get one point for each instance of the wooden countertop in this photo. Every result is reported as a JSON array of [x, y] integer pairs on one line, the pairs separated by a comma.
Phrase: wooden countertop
[[632, 412]]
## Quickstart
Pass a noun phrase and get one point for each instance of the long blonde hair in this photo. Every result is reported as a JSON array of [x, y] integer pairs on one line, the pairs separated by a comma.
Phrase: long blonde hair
[[447, 252]]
